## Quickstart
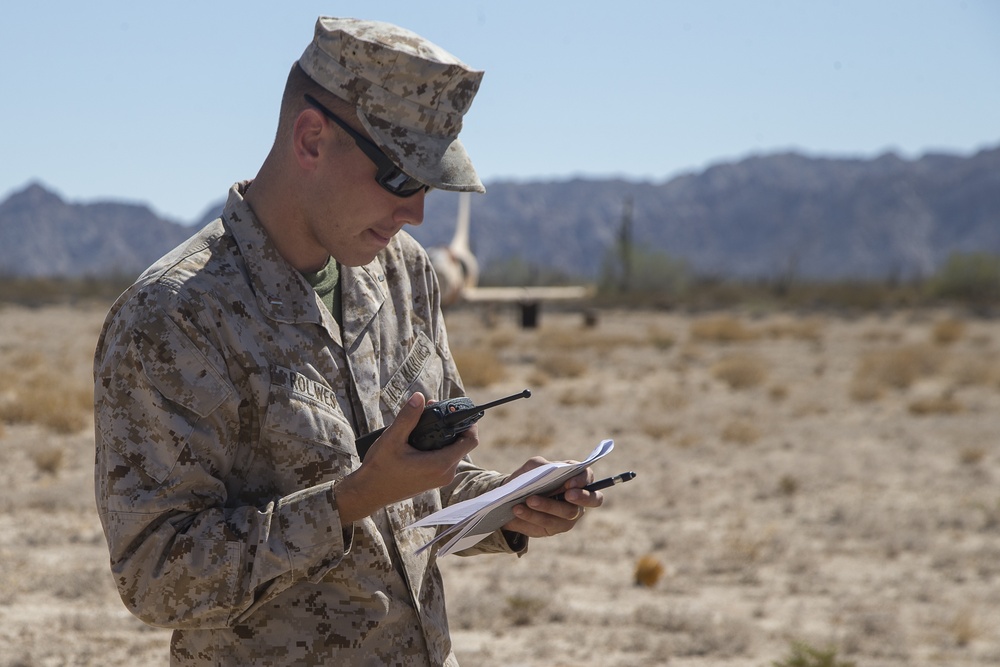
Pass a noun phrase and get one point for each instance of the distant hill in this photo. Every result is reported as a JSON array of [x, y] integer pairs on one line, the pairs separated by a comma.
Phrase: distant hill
[[43, 236], [762, 217]]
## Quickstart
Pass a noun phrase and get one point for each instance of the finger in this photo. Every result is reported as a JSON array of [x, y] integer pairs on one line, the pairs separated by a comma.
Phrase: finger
[[535, 523], [408, 417], [583, 498]]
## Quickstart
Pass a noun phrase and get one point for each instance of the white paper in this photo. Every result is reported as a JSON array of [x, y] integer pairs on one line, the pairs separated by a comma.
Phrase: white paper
[[472, 520]]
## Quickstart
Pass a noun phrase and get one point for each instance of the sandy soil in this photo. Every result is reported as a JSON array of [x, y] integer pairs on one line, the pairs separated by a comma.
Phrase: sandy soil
[[825, 480]]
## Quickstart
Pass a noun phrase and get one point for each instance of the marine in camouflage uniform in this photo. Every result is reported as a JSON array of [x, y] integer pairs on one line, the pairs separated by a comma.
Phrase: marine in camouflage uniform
[[227, 401]]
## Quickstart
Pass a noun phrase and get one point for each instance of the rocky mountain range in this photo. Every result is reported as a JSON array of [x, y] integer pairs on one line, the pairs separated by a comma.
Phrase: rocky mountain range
[[779, 215]]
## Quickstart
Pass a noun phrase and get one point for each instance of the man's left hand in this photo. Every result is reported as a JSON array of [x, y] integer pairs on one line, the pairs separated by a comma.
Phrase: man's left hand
[[540, 516]]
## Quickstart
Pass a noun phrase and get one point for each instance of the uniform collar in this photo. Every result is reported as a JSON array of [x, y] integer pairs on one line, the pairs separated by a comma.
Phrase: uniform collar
[[283, 294]]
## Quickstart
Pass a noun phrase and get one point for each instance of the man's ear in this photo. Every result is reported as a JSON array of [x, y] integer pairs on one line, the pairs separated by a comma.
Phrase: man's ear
[[307, 134]]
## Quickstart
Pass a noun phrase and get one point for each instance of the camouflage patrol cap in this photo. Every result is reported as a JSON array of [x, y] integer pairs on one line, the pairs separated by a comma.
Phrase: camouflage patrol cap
[[410, 95]]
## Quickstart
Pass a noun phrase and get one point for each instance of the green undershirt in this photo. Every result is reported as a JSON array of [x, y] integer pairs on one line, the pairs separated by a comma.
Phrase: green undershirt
[[325, 282]]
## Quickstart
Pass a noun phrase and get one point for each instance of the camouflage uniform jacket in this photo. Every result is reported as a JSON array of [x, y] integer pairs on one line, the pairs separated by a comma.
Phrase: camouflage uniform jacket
[[227, 402]]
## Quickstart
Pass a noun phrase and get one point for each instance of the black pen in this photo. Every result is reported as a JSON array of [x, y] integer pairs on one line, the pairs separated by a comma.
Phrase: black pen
[[602, 484]]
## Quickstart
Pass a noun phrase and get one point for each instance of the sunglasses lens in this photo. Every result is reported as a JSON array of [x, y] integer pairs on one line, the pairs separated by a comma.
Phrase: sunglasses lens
[[398, 183]]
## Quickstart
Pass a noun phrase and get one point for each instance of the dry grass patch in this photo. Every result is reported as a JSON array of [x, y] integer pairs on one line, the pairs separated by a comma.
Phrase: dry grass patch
[[569, 340], [897, 367], [48, 461], [971, 456], [939, 405], [660, 338], [740, 371], [648, 571], [479, 367], [721, 329], [947, 331], [974, 370], [561, 365], [740, 431], [807, 329], [41, 397]]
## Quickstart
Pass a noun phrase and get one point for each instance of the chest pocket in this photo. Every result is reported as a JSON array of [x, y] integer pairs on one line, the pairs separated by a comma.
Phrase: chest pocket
[[305, 439], [421, 370]]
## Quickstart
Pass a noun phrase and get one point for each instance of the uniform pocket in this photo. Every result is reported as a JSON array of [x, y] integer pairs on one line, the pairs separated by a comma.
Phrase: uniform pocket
[[421, 370], [303, 442]]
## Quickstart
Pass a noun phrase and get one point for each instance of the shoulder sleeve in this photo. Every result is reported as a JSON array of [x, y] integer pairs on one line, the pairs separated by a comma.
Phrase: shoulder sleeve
[[167, 422]]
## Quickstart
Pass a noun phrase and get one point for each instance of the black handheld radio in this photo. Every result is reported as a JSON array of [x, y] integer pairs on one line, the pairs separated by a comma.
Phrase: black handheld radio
[[441, 423]]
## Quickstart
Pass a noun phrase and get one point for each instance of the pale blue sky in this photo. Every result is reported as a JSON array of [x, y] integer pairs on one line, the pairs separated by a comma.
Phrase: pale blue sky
[[169, 103]]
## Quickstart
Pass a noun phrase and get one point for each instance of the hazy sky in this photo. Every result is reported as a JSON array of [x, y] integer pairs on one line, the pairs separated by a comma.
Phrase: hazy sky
[[170, 103]]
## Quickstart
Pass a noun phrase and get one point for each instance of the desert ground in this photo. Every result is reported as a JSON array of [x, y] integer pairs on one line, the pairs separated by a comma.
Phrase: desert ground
[[819, 481]]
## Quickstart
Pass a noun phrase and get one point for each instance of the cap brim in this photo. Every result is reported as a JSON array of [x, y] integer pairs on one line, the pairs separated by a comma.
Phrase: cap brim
[[440, 162]]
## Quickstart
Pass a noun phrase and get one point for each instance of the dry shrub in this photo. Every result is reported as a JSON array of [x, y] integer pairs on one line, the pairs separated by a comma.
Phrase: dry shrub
[[39, 397], [808, 329], [48, 461], [973, 370], [660, 338], [580, 339], [502, 338], [561, 366], [740, 371], [479, 367], [898, 367], [865, 389], [778, 392], [580, 396], [524, 610], [947, 331], [656, 429], [940, 405], [720, 329], [971, 455], [648, 571], [882, 335], [964, 628], [788, 485], [741, 432], [537, 378]]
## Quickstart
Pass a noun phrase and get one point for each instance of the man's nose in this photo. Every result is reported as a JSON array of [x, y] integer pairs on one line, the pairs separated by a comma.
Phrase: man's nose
[[410, 210]]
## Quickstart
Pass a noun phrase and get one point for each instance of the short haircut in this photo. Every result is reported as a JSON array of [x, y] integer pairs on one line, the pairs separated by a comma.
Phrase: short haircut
[[297, 86]]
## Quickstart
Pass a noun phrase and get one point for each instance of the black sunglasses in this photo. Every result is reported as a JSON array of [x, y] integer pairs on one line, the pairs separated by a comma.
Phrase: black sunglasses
[[389, 176]]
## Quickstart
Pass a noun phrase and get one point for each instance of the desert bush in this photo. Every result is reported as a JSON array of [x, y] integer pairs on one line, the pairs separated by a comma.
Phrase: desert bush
[[660, 338], [939, 405], [523, 609], [898, 367], [972, 455], [807, 329], [648, 571], [974, 370], [947, 331], [39, 397], [964, 628], [561, 366], [970, 277], [720, 329], [788, 485], [48, 461], [740, 371], [741, 432], [479, 367], [804, 655]]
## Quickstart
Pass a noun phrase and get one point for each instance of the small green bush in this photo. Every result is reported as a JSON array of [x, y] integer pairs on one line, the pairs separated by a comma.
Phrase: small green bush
[[803, 655]]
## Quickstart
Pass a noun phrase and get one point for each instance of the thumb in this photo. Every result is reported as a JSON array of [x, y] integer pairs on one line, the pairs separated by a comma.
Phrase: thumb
[[408, 417]]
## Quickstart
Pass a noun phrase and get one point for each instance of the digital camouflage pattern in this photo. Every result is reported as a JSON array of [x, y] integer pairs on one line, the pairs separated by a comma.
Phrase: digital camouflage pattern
[[410, 95], [227, 402]]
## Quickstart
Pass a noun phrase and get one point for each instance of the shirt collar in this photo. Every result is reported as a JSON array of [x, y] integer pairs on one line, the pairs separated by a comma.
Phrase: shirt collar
[[283, 294]]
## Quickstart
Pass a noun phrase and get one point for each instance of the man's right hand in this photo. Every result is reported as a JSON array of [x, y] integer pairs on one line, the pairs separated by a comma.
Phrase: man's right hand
[[393, 470]]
